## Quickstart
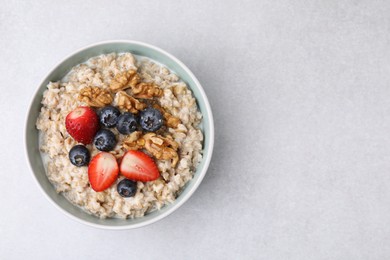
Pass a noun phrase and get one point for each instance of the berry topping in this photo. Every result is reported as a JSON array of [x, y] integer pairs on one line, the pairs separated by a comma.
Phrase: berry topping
[[102, 171], [79, 155], [105, 140], [127, 123], [82, 124], [138, 166], [151, 119], [126, 188], [108, 116]]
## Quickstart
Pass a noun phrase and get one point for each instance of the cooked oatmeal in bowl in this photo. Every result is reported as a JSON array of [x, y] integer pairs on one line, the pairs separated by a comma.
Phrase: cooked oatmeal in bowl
[[176, 147], [121, 136]]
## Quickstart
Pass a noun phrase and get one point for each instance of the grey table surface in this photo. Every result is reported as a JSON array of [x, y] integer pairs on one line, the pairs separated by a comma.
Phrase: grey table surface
[[300, 93]]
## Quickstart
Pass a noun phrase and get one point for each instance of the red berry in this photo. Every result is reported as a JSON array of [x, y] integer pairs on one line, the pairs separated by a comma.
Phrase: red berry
[[102, 171], [82, 124], [138, 166]]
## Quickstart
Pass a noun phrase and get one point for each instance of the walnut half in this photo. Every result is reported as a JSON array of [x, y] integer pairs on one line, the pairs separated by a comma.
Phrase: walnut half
[[163, 148], [134, 141], [124, 80], [146, 90], [128, 103], [95, 96]]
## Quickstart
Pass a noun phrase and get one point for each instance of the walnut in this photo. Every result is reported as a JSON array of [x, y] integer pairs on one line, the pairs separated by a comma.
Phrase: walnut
[[124, 80], [134, 141], [129, 103], [162, 148], [95, 96], [170, 120], [146, 90]]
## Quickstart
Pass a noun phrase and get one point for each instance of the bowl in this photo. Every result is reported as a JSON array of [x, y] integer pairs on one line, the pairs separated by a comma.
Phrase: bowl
[[58, 72]]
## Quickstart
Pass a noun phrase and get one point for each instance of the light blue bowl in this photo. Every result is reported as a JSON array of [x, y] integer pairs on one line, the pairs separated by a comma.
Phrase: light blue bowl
[[138, 48]]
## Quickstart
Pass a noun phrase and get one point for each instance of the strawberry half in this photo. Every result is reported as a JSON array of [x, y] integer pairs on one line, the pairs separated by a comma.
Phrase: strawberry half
[[138, 166], [82, 124], [102, 171]]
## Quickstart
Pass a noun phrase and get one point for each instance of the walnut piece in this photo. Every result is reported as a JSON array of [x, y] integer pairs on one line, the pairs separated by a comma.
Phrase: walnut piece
[[162, 148], [134, 141], [125, 80], [170, 120], [146, 90], [95, 96], [128, 103], [131, 79]]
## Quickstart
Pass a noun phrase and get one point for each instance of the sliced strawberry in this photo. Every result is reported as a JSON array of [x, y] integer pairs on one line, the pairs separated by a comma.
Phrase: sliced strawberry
[[82, 124], [138, 166], [102, 171]]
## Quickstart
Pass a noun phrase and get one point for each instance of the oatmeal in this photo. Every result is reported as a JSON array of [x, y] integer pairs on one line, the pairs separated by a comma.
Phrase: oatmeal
[[132, 86]]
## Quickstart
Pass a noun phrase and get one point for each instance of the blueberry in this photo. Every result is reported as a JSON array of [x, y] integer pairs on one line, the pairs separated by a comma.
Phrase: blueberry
[[127, 123], [105, 140], [79, 155], [151, 119], [108, 116], [127, 188]]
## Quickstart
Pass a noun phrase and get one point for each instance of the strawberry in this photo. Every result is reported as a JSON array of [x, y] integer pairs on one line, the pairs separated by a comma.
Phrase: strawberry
[[102, 171], [138, 166], [82, 124]]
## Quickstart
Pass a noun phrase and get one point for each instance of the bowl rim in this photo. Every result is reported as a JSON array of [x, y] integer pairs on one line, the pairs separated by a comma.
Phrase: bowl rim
[[206, 159]]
